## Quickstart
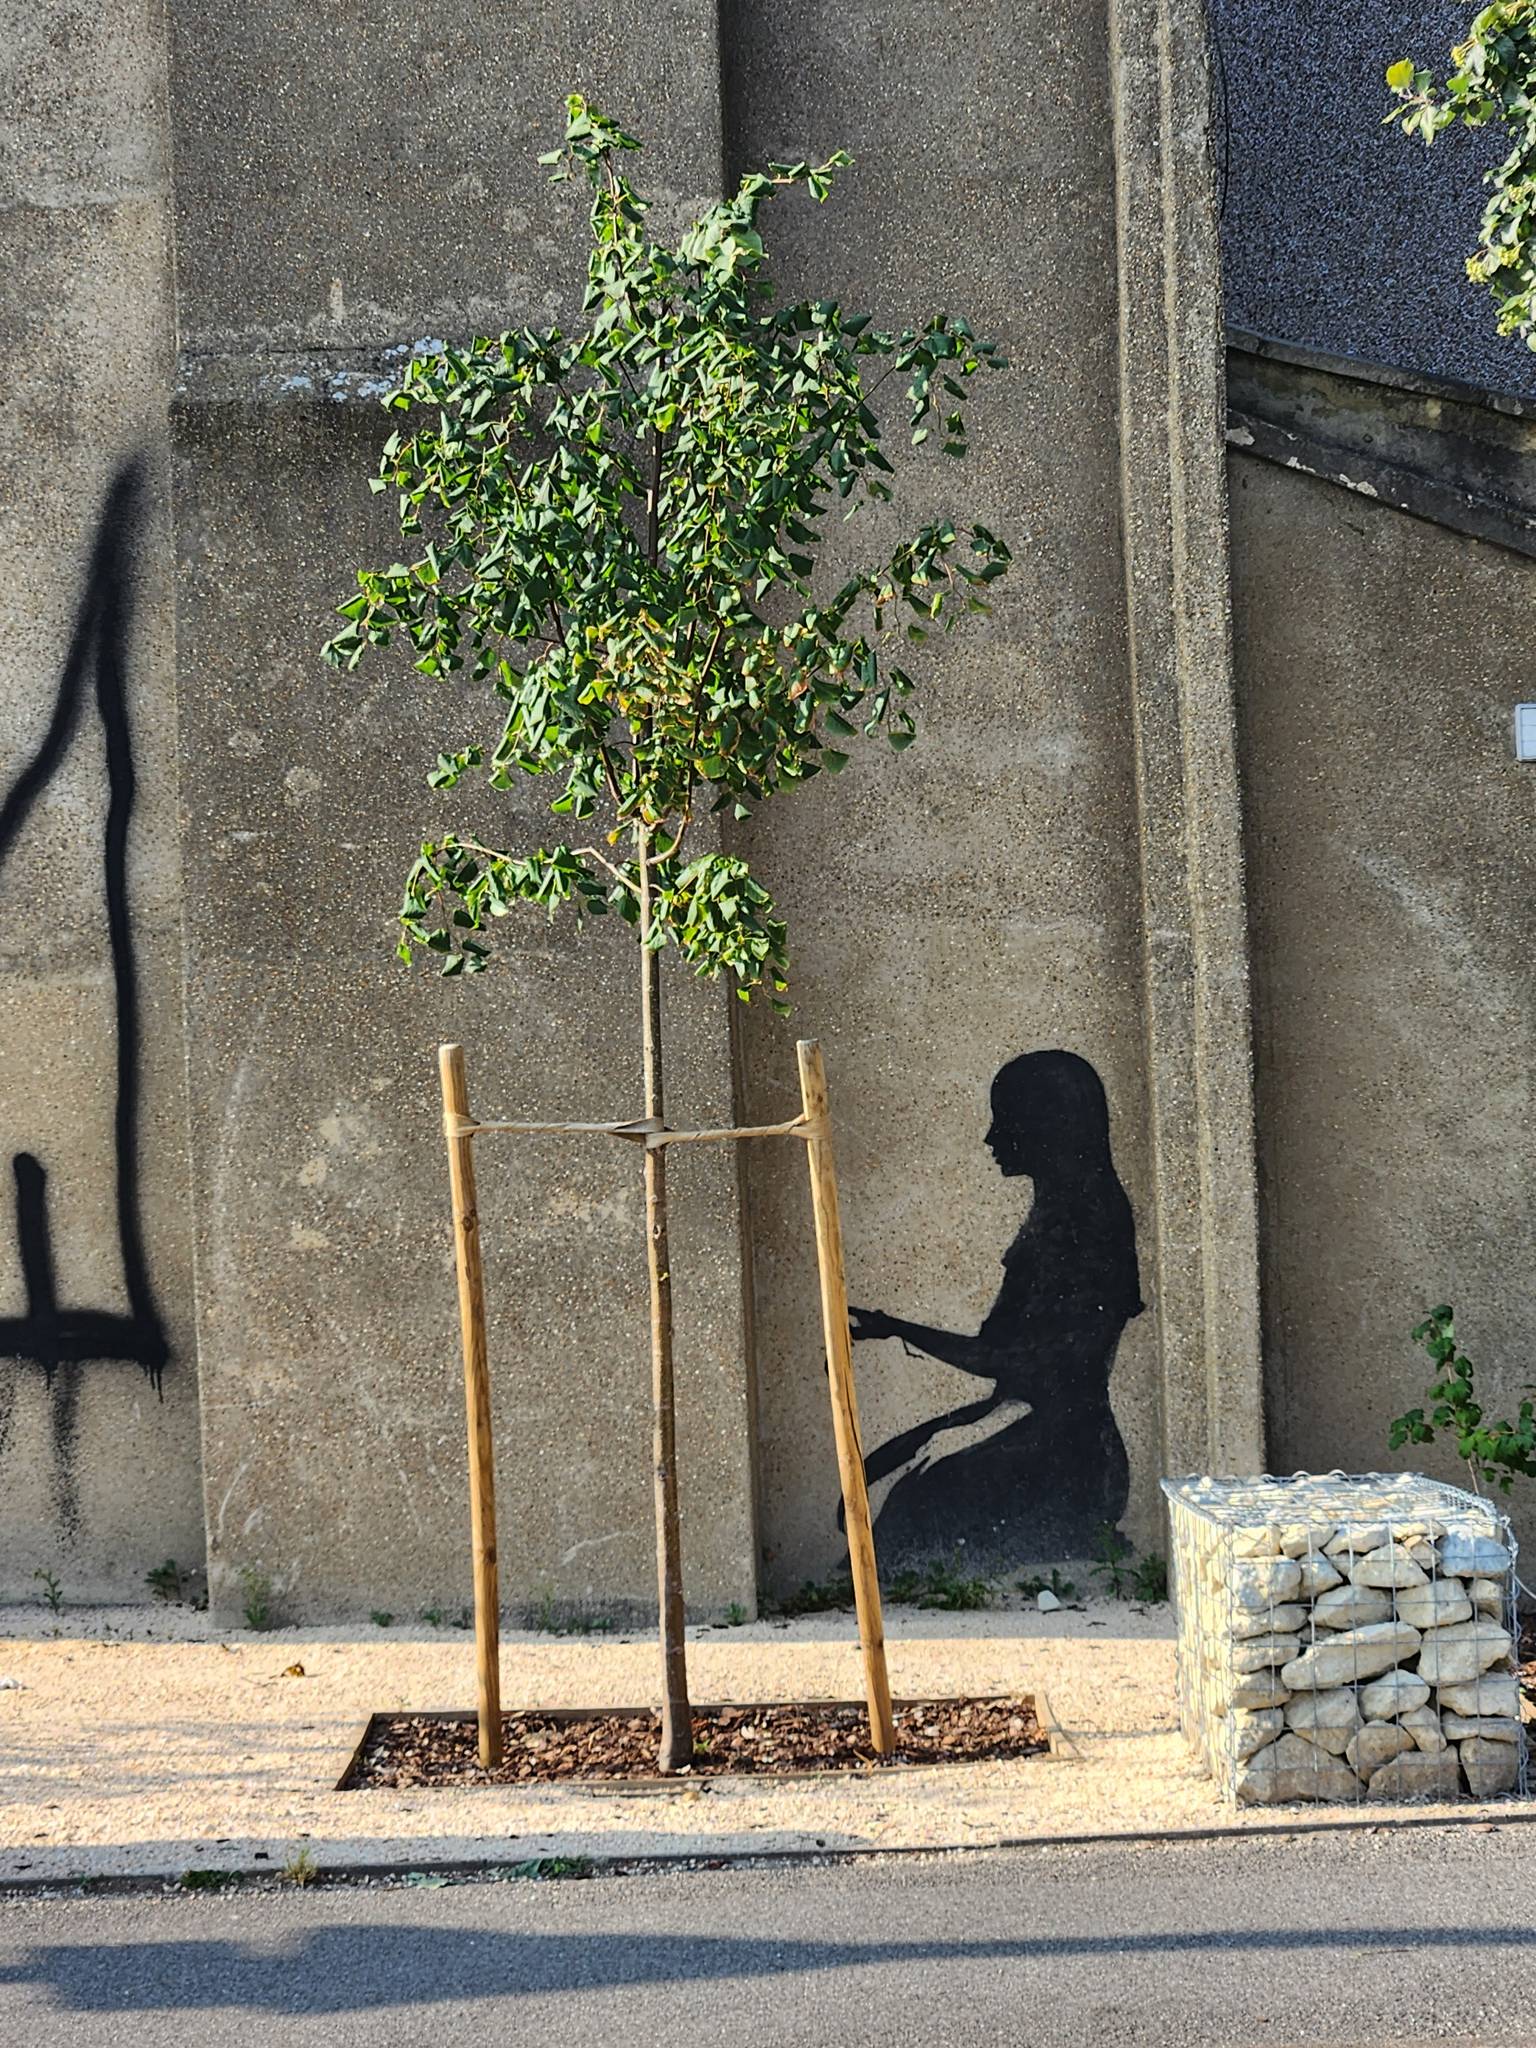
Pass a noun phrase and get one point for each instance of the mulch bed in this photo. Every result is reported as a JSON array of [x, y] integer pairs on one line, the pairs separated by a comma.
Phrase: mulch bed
[[769, 1741]]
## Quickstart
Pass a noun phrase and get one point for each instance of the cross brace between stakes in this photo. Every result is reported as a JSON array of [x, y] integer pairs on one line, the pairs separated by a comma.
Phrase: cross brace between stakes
[[644, 1130], [814, 1126]]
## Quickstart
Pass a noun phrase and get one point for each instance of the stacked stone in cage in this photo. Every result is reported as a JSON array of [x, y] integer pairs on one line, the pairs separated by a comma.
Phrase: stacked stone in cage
[[1347, 1638]]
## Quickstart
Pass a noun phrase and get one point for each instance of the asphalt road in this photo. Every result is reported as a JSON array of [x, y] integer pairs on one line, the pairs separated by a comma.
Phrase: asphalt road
[[1360, 1939]]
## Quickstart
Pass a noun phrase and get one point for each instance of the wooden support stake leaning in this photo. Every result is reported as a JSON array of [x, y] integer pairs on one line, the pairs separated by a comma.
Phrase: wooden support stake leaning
[[477, 1400], [845, 1409]]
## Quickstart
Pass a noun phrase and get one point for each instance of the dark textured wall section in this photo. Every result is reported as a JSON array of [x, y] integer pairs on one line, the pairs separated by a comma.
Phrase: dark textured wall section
[[1338, 232]]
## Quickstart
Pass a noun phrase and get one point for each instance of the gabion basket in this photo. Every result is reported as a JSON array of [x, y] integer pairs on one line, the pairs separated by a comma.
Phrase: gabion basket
[[1347, 1637]]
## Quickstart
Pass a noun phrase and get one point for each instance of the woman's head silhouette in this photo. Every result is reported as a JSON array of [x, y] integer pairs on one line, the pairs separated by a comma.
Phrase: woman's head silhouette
[[1049, 1117]]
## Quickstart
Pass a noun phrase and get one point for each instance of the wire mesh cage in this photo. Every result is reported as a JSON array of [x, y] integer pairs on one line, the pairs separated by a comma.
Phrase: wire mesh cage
[[1346, 1637]]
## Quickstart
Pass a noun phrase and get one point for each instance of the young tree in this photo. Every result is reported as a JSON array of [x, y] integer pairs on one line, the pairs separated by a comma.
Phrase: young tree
[[1492, 80], [615, 532]]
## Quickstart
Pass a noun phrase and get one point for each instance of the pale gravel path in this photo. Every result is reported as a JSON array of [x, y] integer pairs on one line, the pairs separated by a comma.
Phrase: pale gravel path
[[143, 1741]]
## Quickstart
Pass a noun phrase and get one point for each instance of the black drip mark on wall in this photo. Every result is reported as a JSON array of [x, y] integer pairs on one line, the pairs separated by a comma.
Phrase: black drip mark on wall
[[50, 1333], [1037, 1467]]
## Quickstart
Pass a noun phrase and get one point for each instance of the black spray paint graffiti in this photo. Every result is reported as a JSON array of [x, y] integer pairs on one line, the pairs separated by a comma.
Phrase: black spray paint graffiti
[[50, 1333], [1037, 1466]]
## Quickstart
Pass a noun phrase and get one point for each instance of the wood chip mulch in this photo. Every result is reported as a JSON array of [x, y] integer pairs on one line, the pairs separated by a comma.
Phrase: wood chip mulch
[[768, 1741]]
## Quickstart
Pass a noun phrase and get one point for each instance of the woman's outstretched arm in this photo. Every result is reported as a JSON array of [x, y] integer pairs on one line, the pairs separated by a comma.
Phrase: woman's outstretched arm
[[952, 1347]]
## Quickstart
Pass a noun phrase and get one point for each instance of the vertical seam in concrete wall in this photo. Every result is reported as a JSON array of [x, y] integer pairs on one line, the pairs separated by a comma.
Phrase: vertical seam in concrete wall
[[173, 416], [729, 152], [1200, 1079]]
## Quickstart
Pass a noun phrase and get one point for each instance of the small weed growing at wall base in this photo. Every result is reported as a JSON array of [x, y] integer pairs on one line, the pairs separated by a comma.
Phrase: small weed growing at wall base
[[940, 1586], [1145, 1580], [1033, 1586], [931, 1585], [551, 1623], [164, 1581], [53, 1592], [300, 1869], [257, 1588]]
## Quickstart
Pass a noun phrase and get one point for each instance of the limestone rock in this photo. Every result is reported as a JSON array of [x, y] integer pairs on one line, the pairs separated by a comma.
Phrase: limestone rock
[[1491, 1767], [1376, 1744], [1352, 1607], [1259, 1583], [1418, 1775], [1261, 1542], [1423, 1724], [1330, 1719], [1389, 1566], [1486, 1727], [1468, 1554], [1298, 1539], [1288, 1618], [1259, 1651], [1488, 1596], [1256, 1690], [1438, 1605], [1249, 1732], [1494, 1692], [1352, 1654], [1317, 1576], [1293, 1769], [1456, 1655], [1394, 1693], [1423, 1554], [1357, 1539]]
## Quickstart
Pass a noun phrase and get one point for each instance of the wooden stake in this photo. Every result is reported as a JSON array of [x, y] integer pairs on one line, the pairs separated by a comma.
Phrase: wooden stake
[[477, 1400], [845, 1408]]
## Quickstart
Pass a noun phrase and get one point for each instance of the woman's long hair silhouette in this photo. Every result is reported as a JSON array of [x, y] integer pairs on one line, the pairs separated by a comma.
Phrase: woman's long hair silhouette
[[1037, 1467]]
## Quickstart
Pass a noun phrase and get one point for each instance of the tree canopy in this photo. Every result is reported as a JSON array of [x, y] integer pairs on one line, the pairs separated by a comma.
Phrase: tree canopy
[[617, 531]]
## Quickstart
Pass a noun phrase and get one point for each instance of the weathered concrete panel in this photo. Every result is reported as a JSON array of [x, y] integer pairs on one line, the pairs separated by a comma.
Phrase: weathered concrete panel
[[975, 898], [377, 181], [1392, 850], [98, 1476], [333, 1411]]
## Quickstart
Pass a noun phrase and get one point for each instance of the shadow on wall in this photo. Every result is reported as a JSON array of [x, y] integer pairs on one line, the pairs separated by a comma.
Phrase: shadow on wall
[[1037, 1466], [48, 1333]]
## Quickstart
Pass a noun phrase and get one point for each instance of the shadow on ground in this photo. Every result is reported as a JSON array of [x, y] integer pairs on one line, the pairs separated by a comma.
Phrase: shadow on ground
[[349, 1969]]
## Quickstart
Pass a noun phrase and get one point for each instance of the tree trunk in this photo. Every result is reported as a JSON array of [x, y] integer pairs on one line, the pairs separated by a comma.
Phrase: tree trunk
[[676, 1749]]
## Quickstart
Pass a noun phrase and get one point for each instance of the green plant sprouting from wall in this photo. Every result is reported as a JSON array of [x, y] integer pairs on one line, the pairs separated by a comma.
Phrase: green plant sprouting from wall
[[1496, 1452], [1492, 80]]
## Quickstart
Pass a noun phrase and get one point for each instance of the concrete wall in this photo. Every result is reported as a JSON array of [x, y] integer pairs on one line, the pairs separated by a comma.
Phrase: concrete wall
[[332, 1410], [1053, 871], [955, 905], [1392, 863], [98, 1374]]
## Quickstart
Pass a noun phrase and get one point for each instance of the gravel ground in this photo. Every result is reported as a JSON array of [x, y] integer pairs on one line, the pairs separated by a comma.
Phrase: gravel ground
[[145, 1741]]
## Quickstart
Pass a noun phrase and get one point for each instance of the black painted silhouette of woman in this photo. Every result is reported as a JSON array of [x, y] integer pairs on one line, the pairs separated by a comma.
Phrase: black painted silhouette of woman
[[1038, 1466]]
